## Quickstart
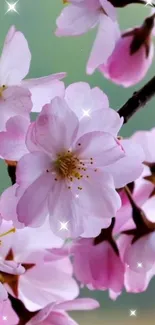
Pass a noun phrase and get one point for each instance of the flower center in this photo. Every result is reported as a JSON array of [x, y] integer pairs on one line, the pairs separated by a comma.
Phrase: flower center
[[67, 165], [2, 88]]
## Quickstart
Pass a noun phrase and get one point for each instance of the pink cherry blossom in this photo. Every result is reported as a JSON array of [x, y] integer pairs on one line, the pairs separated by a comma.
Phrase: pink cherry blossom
[[142, 188], [98, 266], [7, 314], [134, 62], [80, 16], [43, 282], [91, 151], [14, 66], [137, 277], [55, 314], [12, 141], [8, 267]]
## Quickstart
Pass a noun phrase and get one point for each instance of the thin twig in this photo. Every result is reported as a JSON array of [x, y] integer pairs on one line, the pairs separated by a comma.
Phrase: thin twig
[[138, 100]]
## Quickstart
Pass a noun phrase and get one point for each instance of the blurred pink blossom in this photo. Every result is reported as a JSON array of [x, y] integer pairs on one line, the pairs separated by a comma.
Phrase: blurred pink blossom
[[14, 66], [55, 314], [78, 17]]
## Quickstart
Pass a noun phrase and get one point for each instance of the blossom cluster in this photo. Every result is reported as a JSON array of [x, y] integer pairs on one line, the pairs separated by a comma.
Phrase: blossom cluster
[[80, 210]]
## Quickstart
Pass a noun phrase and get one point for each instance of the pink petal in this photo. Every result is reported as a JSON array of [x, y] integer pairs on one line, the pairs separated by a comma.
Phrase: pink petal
[[78, 304], [142, 251], [149, 208], [121, 72], [11, 267], [74, 20], [44, 89], [46, 283], [98, 196], [52, 123], [101, 146], [109, 9], [80, 97], [63, 208], [12, 141], [106, 120], [31, 166], [32, 206], [92, 226], [8, 203], [7, 314], [15, 58], [145, 138], [3, 293], [130, 167], [15, 101], [102, 47]]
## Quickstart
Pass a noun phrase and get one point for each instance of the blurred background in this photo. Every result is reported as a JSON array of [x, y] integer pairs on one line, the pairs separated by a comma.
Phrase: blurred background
[[36, 19]]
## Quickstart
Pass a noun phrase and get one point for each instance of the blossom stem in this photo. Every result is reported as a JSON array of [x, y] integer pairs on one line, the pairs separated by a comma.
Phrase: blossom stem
[[19, 308], [139, 99]]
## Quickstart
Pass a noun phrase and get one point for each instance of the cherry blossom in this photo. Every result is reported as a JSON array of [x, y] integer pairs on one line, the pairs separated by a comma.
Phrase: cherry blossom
[[43, 282], [98, 266], [84, 154], [136, 51], [14, 66], [80, 16], [8, 267]]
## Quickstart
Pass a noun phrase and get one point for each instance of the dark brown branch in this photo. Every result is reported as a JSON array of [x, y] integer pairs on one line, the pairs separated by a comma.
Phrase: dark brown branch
[[21, 311], [138, 100], [123, 3], [12, 174]]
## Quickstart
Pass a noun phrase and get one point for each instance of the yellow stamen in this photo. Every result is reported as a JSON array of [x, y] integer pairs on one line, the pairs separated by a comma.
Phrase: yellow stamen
[[8, 232], [67, 166], [2, 88]]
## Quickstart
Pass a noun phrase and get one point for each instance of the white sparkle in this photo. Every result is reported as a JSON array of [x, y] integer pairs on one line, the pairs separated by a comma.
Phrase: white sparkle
[[149, 3], [77, 196], [133, 312], [64, 225], [12, 7], [86, 112], [4, 317], [139, 265]]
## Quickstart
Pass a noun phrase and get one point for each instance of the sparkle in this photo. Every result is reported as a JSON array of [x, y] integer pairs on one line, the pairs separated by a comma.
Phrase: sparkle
[[77, 196], [133, 312], [149, 3], [4, 318], [12, 7], [139, 265], [86, 112], [64, 225]]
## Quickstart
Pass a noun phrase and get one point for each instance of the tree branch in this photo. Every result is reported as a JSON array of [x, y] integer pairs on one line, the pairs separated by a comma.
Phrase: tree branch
[[138, 100], [21, 311]]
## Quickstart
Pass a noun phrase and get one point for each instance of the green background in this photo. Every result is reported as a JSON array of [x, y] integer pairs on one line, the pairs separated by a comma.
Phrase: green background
[[50, 54]]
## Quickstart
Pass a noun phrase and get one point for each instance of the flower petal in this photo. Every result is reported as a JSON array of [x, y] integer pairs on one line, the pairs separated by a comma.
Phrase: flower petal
[[78, 304], [74, 20], [12, 141], [103, 44], [44, 89], [101, 146], [15, 58], [32, 207]]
